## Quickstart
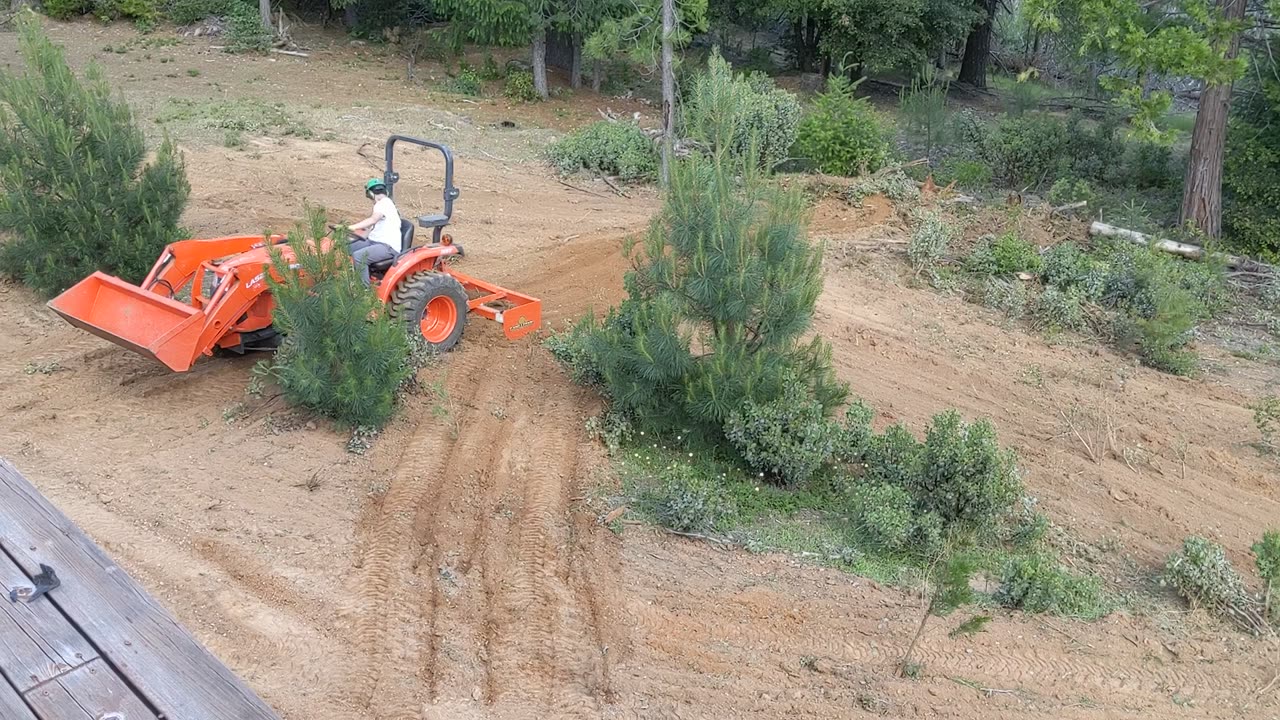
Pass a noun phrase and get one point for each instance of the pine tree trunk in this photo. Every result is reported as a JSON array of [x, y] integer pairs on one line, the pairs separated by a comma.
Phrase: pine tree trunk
[[668, 88], [575, 69], [540, 63], [906, 658], [1202, 187], [977, 49], [597, 75], [264, 9]]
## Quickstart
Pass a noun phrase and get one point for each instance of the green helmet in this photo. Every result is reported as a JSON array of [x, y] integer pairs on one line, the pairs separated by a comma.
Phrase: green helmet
[[375, 185]]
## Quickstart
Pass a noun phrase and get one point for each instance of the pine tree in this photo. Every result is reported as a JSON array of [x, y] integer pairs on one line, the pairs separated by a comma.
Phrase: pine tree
[[77, 195], [721, 294], [342, 354]]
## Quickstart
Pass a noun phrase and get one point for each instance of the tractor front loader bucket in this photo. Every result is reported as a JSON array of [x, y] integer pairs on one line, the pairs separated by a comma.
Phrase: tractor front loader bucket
[[144, 322]]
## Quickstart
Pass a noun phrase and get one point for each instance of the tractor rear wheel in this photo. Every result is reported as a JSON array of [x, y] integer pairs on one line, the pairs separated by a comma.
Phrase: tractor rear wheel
[[432, 304]]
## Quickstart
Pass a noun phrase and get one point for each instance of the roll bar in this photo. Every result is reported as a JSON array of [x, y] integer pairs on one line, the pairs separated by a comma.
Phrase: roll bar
[[391, 177]]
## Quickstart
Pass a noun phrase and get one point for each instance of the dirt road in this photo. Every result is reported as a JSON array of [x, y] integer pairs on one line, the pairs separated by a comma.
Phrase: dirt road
[[457, 570]]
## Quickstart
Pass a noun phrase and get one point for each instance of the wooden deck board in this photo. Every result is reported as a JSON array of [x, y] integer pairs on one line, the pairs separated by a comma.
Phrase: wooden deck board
[[133, 634], [35, 637], [93, 692], [12, 706]]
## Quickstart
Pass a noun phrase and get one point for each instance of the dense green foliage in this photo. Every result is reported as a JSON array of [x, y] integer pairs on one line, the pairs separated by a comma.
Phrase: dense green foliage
[[843, 134], [610, 148], [1266, 556], [519, 86], [1039, 584], [342, 354], [1005, 255], [747, 115], [466, 82], [689, 501], [1251, 174], [1201, 572], [79, 195]]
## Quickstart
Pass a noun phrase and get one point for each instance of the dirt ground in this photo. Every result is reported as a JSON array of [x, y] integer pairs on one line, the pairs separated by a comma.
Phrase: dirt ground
[[459, 570]]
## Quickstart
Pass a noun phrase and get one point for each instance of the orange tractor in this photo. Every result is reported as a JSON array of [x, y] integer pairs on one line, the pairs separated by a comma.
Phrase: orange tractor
[[229, 303]]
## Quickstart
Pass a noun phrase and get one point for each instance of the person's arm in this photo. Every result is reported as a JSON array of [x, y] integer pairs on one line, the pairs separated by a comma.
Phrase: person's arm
[[367, 222]]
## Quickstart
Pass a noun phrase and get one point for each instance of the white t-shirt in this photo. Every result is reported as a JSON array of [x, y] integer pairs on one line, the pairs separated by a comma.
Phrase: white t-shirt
[[386, 230]]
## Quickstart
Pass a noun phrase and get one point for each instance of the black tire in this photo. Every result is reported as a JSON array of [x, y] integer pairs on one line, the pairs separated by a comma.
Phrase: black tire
[[410, 298]]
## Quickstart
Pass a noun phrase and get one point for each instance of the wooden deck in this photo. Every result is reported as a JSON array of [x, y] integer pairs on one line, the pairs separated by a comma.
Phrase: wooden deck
[[98, 647]]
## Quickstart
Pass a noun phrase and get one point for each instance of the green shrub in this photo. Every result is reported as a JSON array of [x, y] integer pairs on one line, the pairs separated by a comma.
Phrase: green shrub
[[966, 174], [1202, 573], [924, 107], [78, 194], [466, 82], [1266, 555], [894, 185], [746, 115], [1039, 584], [689, 501], [1069, 267], [730, 256], [1251, 174], [1057, 309], [929, 241], [187, 12], [965, 477], [1005, 255], [1005, 295], [245, 32], [1071, 190], [1266, 417], [570, 349], [790, 437], [1165, 333], [609, 148], [857, 433], [843, 134], [342, 354], [66, 9], [519, 87], [887, 519], [893, 458], [490, 70]]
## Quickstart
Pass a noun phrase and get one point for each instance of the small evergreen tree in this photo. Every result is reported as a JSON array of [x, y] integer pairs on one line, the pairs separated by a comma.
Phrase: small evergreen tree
[[77, 195], [716, 304], [342, 354]]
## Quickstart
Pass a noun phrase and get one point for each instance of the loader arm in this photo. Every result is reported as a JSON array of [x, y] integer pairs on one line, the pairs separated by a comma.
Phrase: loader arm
[[180, 260]]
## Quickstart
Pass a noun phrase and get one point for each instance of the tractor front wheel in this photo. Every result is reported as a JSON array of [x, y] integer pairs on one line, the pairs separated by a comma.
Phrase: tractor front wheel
[[433, 305]]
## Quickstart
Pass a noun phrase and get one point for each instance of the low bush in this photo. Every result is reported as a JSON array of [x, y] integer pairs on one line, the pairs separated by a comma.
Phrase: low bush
[[887, 519], [1070, 190], [342, 354], [186, 12], [966, 174], [1039, 584], [1056, 309], [466, 82], [789, 438], [1067, 266], [965, 478], [66, 9], [79, 194], [1266, 555], [1005, 255], [688, 500], [570, 348], [843, 134], [1008, 296], [610, 148], [746, 115], [1201, 572], [245, 32], [929, 242], [893, 457], [1266, 417], [519, 87], [490, 70]]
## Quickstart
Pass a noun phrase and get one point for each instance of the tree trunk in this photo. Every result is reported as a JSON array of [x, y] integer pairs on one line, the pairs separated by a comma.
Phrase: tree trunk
[[906, 657], [597, 75], [264, 10], [977, 49], [575, 70], [540, 63], [1202, 187], [668, 87], [349, 16]]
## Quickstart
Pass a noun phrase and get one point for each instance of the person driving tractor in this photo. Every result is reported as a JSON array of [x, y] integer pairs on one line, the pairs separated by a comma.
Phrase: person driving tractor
[[379, 234]]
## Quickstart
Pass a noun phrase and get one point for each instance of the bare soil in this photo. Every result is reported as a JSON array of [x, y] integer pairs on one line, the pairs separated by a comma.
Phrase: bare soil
[[459, 570]]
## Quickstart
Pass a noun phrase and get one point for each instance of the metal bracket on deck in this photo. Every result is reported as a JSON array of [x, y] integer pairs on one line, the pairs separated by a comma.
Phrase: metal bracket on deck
[[45, 581]]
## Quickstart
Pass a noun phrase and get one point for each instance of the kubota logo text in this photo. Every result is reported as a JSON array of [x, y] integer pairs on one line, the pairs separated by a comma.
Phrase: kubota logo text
[[522, 323]]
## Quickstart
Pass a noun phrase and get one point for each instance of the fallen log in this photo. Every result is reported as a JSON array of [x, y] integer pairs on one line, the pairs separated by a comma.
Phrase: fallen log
[[1186, 250]]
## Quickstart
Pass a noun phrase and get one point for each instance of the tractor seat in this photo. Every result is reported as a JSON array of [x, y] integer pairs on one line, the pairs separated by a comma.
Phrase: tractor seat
[[406, 242]]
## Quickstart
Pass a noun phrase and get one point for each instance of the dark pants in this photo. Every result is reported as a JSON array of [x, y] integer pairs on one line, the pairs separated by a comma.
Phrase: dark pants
[[367, 252]]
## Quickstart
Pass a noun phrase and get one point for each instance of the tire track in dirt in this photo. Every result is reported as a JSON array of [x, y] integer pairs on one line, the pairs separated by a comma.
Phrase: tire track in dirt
[[392, 596]]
